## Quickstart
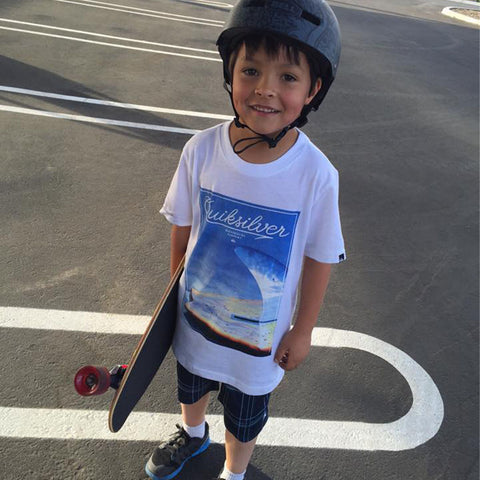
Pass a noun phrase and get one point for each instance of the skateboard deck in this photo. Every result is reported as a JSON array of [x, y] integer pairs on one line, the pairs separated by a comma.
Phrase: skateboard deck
[[132, 380]]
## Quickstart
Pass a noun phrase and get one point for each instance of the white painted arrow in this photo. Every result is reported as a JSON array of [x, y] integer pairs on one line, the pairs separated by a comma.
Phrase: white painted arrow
[[419, 425]]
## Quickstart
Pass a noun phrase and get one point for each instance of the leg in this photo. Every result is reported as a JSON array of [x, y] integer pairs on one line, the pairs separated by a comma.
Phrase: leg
[[193, 395], [244, 417], [169, 457], [238, 453], [194, 414]]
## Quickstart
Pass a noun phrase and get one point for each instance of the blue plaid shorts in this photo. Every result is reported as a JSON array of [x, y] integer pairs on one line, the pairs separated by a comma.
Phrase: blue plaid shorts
[[244, 415]]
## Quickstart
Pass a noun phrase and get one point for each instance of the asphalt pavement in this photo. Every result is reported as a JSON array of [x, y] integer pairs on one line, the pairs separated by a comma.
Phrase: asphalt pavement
[[97, 99]]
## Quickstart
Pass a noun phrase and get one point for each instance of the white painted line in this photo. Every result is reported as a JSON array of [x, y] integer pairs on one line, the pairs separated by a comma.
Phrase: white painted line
[[101, 35], [91, 322], [102, 121], [131, 106], [108, 44], [426, 414], [67, 424], [467, 2], [213, 4], [110, 4], [141, 11], [97, 2], [419, 425], [452, 13]]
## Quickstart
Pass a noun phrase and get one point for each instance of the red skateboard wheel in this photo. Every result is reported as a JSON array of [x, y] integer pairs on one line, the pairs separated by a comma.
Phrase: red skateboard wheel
[[92, 380]]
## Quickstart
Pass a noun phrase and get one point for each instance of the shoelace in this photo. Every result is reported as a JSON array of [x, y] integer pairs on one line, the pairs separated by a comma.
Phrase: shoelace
[[178, 439]]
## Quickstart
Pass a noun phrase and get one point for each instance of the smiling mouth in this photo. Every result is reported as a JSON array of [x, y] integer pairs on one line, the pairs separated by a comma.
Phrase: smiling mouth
[[259, 108]]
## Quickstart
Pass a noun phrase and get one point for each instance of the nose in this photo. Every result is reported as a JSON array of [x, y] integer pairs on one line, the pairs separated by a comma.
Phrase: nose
[[265, 87]]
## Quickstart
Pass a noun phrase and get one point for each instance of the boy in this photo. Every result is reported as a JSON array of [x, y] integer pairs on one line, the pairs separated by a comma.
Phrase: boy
[[254, 207]]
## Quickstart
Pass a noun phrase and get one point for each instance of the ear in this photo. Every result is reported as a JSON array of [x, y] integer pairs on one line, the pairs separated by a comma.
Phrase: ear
[[314, 91]]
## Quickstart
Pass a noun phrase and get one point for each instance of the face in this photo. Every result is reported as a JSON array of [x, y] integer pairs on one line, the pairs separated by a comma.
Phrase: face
[[269, 93]]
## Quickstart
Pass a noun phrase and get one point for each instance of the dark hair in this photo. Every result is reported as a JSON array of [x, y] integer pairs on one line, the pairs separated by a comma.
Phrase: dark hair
[[274, 45]]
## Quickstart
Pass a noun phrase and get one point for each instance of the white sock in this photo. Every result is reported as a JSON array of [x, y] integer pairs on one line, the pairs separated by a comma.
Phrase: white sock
[[198, 431], [228, 475]]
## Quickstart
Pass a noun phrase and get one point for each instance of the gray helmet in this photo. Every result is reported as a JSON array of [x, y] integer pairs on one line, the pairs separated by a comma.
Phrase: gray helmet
[[309, 24]]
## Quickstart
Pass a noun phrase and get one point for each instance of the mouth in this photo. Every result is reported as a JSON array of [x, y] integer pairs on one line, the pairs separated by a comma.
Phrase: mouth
[[262, 109]]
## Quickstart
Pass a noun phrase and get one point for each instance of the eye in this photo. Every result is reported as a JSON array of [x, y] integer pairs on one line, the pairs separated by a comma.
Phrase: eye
[[249, 72], [289, 78]]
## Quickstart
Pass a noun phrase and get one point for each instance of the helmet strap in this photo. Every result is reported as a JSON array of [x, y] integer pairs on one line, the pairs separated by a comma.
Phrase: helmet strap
[[258, 138]]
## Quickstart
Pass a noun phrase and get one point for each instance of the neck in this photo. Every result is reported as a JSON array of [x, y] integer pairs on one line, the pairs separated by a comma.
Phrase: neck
[[261, 153]]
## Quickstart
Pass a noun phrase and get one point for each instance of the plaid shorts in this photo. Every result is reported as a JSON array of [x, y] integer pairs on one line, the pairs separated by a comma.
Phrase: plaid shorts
[[244, 415]]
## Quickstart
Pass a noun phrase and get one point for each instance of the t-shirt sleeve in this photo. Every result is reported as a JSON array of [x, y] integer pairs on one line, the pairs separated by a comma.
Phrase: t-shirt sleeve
[[325, 240], [177, 207]]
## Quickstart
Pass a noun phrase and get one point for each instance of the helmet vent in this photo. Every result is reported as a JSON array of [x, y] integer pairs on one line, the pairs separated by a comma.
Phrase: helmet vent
[[311, 18]]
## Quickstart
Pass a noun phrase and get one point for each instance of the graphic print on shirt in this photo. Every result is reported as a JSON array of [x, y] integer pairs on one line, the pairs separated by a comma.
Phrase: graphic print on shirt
[[235, 277]]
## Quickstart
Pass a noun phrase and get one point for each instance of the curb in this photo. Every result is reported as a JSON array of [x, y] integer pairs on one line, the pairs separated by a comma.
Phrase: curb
[[449, 12]]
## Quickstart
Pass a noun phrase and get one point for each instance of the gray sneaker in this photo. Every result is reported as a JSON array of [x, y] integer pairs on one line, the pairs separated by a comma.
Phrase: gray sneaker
[[169, 458]]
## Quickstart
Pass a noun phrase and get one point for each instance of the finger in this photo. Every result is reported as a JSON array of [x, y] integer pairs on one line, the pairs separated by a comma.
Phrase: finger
[[280, 354], [284, 361]]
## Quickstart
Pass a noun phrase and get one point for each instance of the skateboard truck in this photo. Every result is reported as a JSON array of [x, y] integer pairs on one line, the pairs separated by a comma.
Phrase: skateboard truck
[[91, 380]]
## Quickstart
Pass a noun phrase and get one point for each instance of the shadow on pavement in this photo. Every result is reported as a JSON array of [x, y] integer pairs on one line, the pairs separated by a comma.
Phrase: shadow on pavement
[[21, 75]]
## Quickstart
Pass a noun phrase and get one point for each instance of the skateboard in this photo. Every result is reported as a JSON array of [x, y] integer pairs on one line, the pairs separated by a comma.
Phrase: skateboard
[[131, 380]]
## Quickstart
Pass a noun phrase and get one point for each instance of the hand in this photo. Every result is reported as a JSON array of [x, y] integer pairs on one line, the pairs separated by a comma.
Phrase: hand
[[293, 349]]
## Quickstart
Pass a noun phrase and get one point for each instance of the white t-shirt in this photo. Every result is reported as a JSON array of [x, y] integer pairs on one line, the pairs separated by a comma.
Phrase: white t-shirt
[[251, 226]]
